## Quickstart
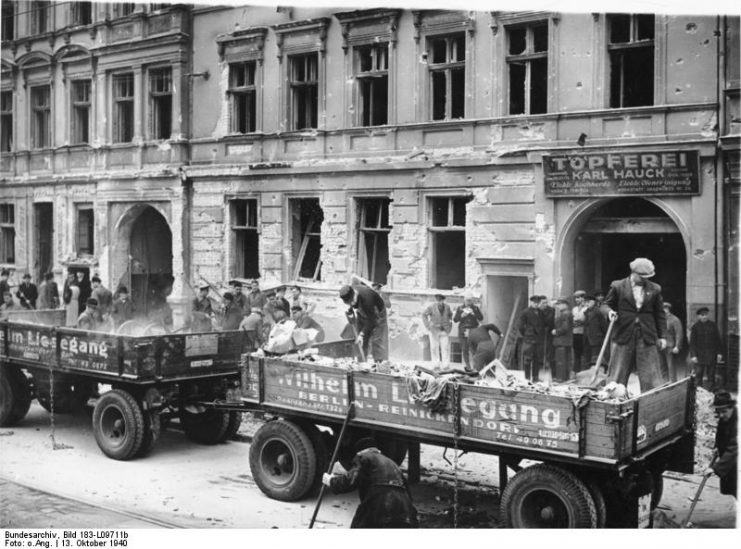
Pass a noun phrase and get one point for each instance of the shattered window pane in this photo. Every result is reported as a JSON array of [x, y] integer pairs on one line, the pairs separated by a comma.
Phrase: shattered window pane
[[528, 68], [619, 28], [631, 61], [448, 76]]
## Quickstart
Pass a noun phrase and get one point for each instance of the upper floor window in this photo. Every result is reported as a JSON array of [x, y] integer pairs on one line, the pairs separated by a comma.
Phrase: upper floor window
[[6, 121], [7, 233], [80, 91], [447, 229], [39, 17], [631, 51], [121, 9], [40, 117], [82, 13], [8, 28], [123, 108], [160, 92], [446, 61], [158, 6], [372, 76], [527, 63], [304, 90], [243, 97]]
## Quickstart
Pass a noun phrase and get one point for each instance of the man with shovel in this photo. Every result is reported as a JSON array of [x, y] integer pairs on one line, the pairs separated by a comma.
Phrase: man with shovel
[[726, 443], [369, 311], [637, 309]]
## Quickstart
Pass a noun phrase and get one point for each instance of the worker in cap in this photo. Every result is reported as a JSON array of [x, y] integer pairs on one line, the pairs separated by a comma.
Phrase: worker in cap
[[637, 309], [90, 318], [705, 348], [674, 340], [367, 313], [468, 316], [385, 500], [201, 311], [725, 462], [579, 345], [531, 325]]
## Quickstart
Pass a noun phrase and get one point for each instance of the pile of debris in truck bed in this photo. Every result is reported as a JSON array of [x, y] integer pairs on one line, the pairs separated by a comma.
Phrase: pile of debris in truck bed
[[705, 427]]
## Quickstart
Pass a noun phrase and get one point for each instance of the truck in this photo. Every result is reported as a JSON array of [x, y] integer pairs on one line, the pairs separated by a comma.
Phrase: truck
[[573, 462]]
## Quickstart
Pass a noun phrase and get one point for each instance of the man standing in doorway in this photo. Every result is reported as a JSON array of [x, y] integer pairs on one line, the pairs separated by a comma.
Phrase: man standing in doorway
[[438, 319], [674, 337], [531, 327], [637, 308], [705, 346], [577, 315]]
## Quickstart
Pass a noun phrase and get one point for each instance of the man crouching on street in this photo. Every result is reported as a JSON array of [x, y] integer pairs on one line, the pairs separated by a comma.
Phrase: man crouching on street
[[385, 501]]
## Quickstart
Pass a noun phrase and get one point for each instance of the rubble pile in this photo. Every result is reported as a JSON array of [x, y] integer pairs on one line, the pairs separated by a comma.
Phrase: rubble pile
[[705, 426]]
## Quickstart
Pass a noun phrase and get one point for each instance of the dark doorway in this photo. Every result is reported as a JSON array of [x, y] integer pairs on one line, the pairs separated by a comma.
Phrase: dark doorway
[[44, 236], [150, 260]]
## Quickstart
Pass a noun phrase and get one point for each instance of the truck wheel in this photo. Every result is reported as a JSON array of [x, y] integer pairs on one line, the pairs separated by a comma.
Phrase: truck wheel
[[15, 396], [233, 423], [599, 503], [545, 496], [282, 460], [118, 424], [152, 430], [321, 450], [208, 427]]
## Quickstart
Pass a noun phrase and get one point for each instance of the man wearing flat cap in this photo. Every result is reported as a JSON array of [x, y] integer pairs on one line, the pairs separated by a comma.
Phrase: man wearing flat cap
[[726, 443], [705, 346], [531, 326], [368, 311], [90, 318], [201, 311], [637, 308]]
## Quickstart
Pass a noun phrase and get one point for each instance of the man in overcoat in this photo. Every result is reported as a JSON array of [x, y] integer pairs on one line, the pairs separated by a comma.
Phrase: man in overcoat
[[705, 346], [637, 307], [532, 328], [385, 500], [726, 443], [369, 311]]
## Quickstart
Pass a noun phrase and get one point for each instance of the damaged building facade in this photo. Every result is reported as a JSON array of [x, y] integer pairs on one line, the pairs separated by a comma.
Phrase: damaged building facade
[[430, 151]]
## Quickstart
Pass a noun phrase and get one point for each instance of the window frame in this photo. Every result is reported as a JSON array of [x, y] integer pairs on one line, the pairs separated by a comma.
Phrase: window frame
[[9, 29], [527, 58], [445, 68], [37, 111], [89, 209], [370, 77], [7, 234], [117, 103], [77, 12], [296, 254], [6, 119], [303, 94], [156, 98], [247, 92], [39, 7], [379, 230], [75, 107], [450, 227], [619, 48], [232, 203]]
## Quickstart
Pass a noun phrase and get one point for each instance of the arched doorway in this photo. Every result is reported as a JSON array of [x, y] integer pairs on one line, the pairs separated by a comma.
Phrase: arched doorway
[[149, 258], [621, 229]]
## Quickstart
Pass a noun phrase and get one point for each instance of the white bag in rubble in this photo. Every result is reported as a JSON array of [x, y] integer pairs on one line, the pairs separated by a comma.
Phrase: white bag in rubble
[[280, 339], [302, 336]]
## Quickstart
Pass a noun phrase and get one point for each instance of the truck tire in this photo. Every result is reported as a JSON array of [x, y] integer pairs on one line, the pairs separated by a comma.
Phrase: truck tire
[[546, 496], [208, 427], [15, 396], [118, 424], [233, 423], [152, 430], [600, 504], [283, 461], [318, 441]]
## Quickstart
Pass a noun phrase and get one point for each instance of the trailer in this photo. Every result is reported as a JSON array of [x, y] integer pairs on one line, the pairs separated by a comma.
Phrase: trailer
[[590, 463], [151, 379]]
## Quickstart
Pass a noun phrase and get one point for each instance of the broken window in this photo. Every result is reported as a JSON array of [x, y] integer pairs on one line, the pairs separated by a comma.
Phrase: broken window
[[123, 115], [85, 230], [82, 13], [41, 112], [306, 238], [447, 229], [372, 76], [80, 111], [527, 62], [6, 121], [631, 50], [122, 9], [304, 86], [8, 28], [446, 61], [246, 238], [373, 238], [242, 96], [160, 92], [7, 233], [39, 17]]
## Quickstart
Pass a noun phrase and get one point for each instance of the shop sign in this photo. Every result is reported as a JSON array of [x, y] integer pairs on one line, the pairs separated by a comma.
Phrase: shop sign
[[622, 174]]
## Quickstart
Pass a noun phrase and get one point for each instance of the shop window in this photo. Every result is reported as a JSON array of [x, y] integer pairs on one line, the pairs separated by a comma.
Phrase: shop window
[[160, 93], [372, 76], [39, 17], [447, 230], [6, 121], [304, 86], [527, 63], [446, 61], [373, 238], [8, 26], [41, 115], [306, 237], [244, 222], [243, 97], [80, 111], [631, 53], [82, 13], [85, 243], [123, 114], [7, 233]]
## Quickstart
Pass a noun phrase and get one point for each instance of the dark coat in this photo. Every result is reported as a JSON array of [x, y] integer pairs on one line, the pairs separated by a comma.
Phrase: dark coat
[[595, 326], [385, 501], [480, 334], [726, 442], [651, 317], [674, 332], [705, 344], [201, 311], [467, 316], [370, 309], [233, 315], [121, 311], [532, 326], [563, 325], [28, 294]]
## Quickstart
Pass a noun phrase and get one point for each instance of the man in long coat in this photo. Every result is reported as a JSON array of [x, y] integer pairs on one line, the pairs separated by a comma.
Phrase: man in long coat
[[637, 307], [726, 443], [705, 348], [385, 501]]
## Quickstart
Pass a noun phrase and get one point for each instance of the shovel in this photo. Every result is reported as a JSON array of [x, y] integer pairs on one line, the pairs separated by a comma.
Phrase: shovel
[[705, 478], [598, 364]]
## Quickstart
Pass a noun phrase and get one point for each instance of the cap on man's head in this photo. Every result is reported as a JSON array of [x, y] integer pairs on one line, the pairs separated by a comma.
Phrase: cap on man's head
[[703, 311], [535, 298], [235, 283], [439, 296], [580, 293], [228, 296], [297, 308], [96, 278], [5, 272], [642, 267], [346, 293], [723, 399], [363, 443], [562, 301], [92, 301], [204, 287], [590, 297], [123, 290], [27, 275]]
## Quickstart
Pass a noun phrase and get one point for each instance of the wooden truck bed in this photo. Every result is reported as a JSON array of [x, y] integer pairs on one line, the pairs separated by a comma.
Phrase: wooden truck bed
[[144, 359], [486, 419]]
